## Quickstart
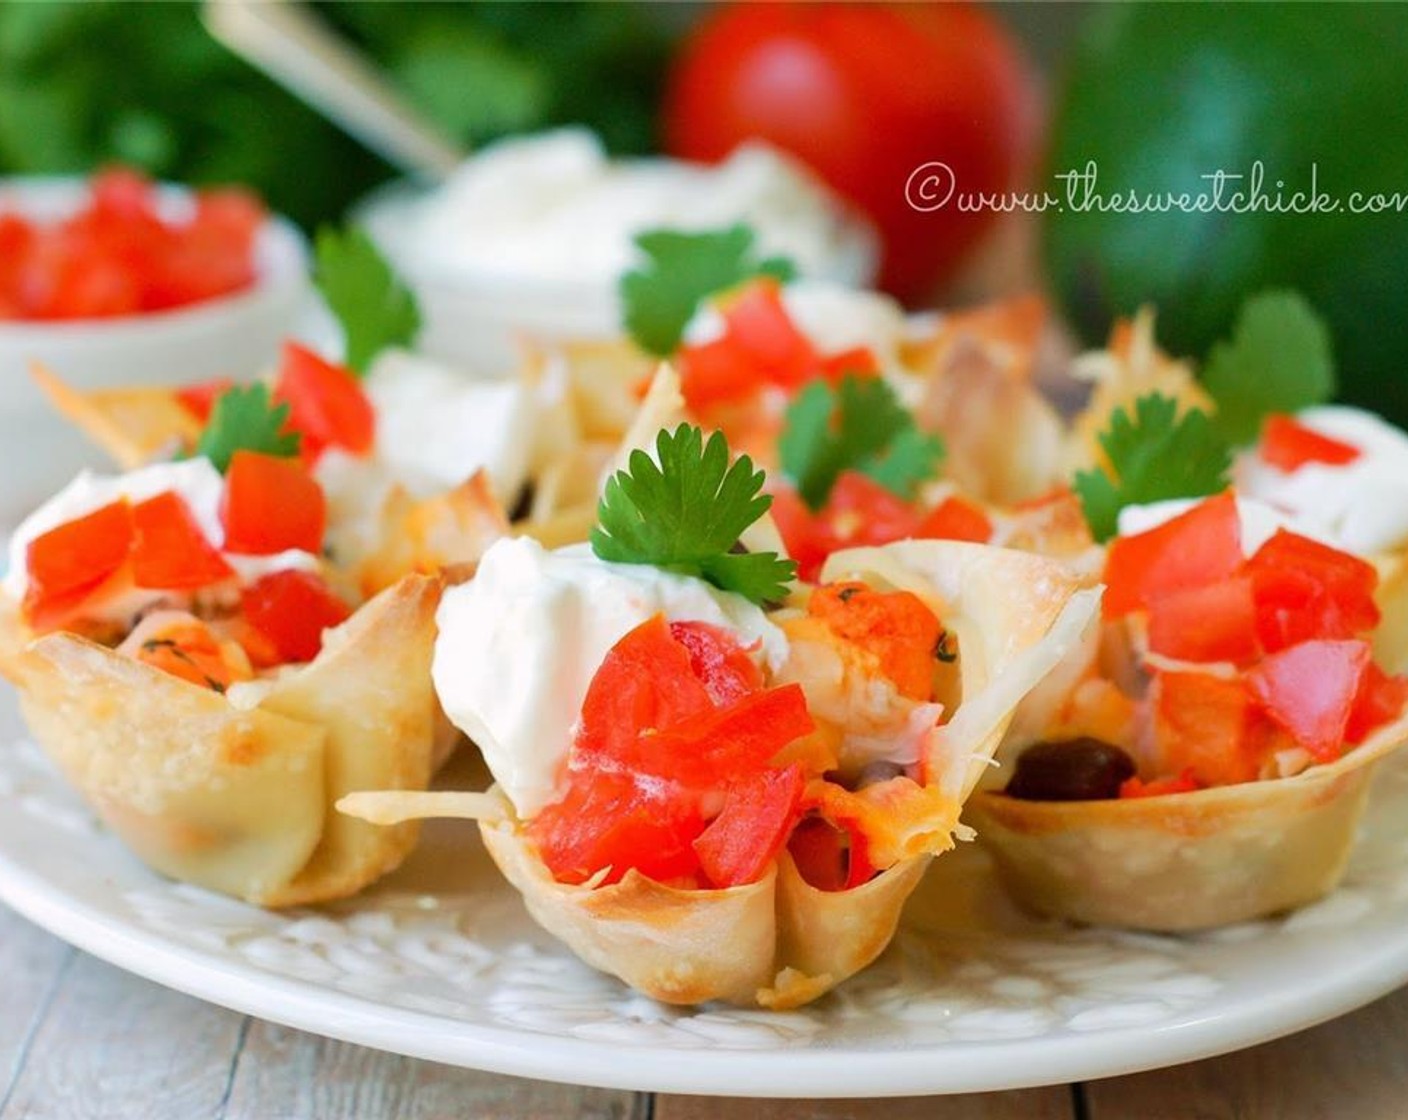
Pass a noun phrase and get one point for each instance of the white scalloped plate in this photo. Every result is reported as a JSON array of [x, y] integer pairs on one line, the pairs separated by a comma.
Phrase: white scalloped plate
[[441, 962]]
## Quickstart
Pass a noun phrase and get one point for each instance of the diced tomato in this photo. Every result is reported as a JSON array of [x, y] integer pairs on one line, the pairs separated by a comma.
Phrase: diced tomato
[[1185, 782], [759, 325], [271, 505], [859, 361], [645, 682], [609, 821], [797, 526], [1196, 548], [955, 519], [169, 551], [1203, 726], [712, 748], [118, 256], [69, 562], [1310, 689], [291, 609], [895, 626], [741, 843], [1290, 445], [1380, 700], [326, 402], [674, 716], [1305, 589], [760, 346], [1212, 623], [861, 512], [718, 661], [199, 399]]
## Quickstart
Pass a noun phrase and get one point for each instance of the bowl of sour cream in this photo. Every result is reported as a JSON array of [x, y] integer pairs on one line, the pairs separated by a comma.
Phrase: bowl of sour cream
[[530, 237]]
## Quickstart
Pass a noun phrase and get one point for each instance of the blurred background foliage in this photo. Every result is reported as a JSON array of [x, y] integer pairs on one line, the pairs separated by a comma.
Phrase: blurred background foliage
[[92, 81]]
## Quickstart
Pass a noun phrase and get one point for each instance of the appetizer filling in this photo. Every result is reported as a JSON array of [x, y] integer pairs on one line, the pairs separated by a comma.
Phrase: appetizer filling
[[202, 575], [1340, 472], [1218, 667]]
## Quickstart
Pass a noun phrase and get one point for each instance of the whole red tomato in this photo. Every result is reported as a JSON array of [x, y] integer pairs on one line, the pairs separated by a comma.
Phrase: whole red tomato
[[867, 95]]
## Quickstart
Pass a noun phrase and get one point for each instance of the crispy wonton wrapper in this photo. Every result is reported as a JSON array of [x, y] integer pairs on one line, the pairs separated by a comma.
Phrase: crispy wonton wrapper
[[779, 942], [1185, 861], [235, 793]]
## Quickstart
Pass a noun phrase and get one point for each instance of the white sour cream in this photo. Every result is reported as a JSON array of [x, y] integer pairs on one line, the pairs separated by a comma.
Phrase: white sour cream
[[520, 643], [1360, 506], [553, 208]]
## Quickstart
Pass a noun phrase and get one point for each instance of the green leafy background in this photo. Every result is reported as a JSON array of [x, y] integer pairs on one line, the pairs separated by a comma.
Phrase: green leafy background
[[100, 80]]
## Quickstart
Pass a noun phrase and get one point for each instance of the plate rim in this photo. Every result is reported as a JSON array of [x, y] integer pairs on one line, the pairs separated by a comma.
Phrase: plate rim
[[923, 1070]]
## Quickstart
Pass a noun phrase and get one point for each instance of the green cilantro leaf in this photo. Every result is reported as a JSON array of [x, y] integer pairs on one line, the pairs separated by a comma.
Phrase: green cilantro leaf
[[1156, 455], [245, 419], [686, 513], [375, 309], [662, 295], [860, 426], [1277, 360]]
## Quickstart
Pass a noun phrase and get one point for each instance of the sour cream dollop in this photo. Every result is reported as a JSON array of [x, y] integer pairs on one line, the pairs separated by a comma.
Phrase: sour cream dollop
[[554, 208], [1360, 506], [520, 643]]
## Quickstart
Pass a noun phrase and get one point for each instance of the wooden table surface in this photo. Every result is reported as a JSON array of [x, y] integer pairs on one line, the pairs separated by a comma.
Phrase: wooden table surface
[[80, 1039]]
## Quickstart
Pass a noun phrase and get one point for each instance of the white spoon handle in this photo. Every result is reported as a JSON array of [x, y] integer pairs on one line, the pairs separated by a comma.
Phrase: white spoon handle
[[288, 43]]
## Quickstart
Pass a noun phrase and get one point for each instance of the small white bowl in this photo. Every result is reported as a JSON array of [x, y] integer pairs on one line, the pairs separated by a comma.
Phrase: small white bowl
[[230, 336]]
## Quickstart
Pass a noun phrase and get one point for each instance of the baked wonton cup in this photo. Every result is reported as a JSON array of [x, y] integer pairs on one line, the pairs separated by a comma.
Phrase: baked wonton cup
[[1185, 861], [780, 942], [235, 792]]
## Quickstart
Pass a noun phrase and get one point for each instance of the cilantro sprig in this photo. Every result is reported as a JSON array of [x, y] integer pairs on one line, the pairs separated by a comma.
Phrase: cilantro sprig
[[375, 309], [1155, 455], [1277, 360], [686, 512], [861, 426], [662, 295], [245, 418]]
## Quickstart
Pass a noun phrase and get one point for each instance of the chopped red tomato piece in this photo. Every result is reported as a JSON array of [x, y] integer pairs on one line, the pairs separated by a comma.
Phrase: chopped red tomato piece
[[1212, 623], [326, 403], [291, 609], [610, 822], [760, 346], [1194, 549], [714, 747], [1185, 782], [1290, 445], [1204, 725], [740, 843], [119, 256], [955, 519], [1380, 700], [271, 505], [645, 682], [1310, 689], [895, 626], [673, 717], [169, 551], [199, 399], [71, 561], [1305, 589], [718, 661], [858, 361]]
